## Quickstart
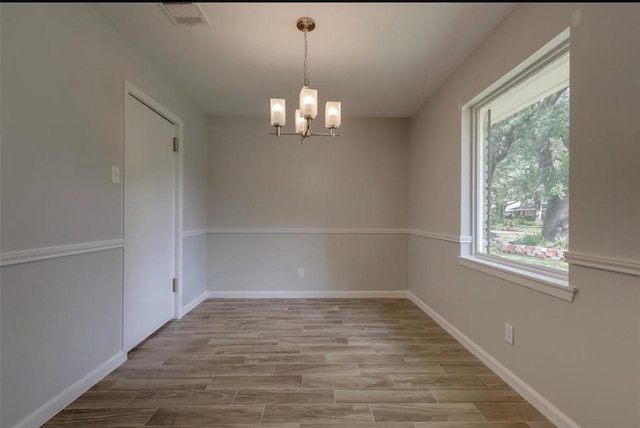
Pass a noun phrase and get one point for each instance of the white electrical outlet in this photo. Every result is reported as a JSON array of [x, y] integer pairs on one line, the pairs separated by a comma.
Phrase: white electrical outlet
[[508, 333], [300, 272]]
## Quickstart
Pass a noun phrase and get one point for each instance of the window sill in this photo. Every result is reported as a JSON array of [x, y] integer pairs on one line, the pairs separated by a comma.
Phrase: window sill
[[543, 283]]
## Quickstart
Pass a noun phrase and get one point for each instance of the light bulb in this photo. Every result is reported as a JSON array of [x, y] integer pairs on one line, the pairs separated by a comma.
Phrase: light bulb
[[308, 102], [278, 116], [332, 114], [301, 123]]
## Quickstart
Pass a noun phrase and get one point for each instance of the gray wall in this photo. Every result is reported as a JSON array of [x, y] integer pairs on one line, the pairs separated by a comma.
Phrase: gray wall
[[333, 263], [258, 181], [583, 356], [194, 270], [61, 319], [0, 216], [63, 69]]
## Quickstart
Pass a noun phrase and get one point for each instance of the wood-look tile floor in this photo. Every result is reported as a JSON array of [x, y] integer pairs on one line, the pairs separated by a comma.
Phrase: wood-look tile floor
[[302, 363]]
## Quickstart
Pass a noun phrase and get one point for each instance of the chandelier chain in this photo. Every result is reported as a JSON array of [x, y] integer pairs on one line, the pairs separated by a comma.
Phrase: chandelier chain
[[306, 47]]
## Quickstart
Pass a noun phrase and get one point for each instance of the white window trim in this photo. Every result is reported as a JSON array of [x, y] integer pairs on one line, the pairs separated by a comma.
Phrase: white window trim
[[548, 281], [543, 283]]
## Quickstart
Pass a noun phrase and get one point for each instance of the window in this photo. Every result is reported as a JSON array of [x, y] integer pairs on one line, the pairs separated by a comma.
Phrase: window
[[520, 145]]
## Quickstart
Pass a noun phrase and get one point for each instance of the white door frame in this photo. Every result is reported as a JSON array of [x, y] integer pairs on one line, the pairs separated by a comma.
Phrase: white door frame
[[131, 90]]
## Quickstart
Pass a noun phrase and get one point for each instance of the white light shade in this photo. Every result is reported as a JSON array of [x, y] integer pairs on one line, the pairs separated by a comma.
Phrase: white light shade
[[332, 114], [278, 113], [301, 123], [308, 102]]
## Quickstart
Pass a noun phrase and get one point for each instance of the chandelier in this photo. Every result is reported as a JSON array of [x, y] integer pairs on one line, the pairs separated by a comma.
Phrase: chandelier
[[308, 107]]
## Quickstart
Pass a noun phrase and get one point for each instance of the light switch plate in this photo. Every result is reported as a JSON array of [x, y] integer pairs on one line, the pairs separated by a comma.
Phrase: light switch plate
[[115, 174], [508, 333]]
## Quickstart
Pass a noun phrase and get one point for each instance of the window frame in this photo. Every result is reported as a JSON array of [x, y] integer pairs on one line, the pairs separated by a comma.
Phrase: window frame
[[547, 280]]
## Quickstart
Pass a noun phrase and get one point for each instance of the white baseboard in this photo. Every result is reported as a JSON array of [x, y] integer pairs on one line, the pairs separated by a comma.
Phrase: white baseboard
[[191, 305], [304, 294], [66, 397], [543, 405]]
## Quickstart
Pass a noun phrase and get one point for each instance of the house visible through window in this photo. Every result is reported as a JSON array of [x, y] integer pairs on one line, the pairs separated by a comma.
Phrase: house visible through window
[[522, 168]]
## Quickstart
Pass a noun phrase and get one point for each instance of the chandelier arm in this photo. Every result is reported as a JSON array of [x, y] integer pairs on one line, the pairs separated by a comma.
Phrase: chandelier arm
[[284, 133], [324, 134], [312, 134]]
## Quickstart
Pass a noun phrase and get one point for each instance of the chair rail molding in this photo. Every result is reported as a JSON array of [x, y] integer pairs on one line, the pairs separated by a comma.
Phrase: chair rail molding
[[9, 258], [628, 267], [390, 231], [440, 236], [297, 231], [194, 232]]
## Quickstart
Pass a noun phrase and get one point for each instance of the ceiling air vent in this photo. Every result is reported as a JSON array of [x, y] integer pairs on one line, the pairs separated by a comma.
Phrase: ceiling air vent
[[184, 13]]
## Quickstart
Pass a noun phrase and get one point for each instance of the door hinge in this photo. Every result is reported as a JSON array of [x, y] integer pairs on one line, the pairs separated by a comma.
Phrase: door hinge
[[175, 285], [175, 144]]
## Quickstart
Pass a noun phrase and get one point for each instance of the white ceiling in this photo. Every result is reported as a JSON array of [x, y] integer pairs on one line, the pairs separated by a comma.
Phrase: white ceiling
[[378, 59]]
